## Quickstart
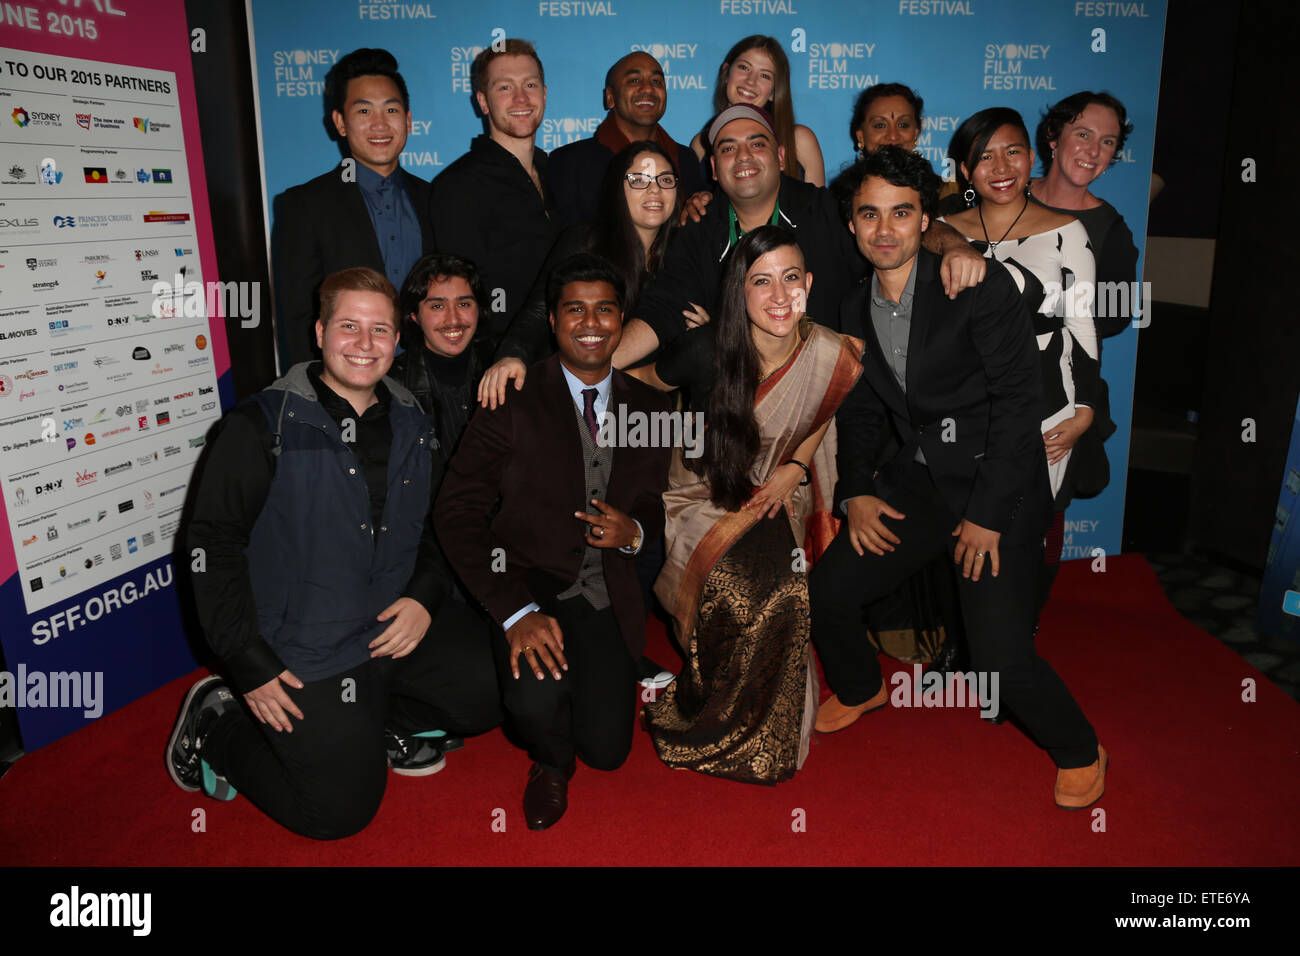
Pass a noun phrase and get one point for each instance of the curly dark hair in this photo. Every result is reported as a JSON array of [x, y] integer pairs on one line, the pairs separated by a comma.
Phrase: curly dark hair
[[898, 167]]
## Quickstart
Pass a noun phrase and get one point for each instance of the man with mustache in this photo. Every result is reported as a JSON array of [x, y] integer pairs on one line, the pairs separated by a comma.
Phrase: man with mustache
[[542, 522], [370, 212], [636, 98], [747, 161], [492, 206], [442, 300]]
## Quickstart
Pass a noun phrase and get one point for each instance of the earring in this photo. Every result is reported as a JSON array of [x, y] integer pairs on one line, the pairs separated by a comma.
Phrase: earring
[[969, 196], [861, 152]]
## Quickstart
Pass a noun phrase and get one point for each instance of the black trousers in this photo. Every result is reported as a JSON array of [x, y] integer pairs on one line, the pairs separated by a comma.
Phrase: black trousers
[[590, 711], [998, 613], [326, 779]]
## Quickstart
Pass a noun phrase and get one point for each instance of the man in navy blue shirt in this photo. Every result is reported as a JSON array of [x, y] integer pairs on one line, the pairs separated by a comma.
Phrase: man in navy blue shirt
[[365, 212]]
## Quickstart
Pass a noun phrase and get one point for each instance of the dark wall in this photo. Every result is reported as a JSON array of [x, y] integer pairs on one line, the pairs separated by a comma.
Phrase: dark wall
[[1253, 366], [223, 87]]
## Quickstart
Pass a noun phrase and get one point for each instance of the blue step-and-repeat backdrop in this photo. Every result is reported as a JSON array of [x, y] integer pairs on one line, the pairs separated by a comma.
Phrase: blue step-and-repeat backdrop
[[960, 55]]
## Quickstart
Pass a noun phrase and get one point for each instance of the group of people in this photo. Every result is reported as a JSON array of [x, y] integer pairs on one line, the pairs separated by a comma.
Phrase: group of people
[[895, 375]]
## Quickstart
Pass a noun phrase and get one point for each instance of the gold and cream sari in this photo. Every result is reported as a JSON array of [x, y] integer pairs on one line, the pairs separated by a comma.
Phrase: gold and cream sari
[[736, 585]]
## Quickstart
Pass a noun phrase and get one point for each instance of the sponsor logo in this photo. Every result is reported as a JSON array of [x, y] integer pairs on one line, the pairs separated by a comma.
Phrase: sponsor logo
[[197, 442], [184, 252], [157, 216], [74, 525], [32, 540], [174, 347], [89, 438], [141, 123], [28, 224], [51, 533], [49, 486], [120, 175], [114, 552], [34, 263], [142, 422], [45, 286], [131, 546], [140, 354], [148, 275], [163, 418], [142, 176], [162, 175], [207, 406], [116, 321], [200, 342], [180, 396], [124, 506], [169, 450], [16, 334], [117, 469], [86, 477], [23, 118], [72, 443], [83, 120], [6, 386], [145, 254], [95, 174], [35, 584], [206, 389]]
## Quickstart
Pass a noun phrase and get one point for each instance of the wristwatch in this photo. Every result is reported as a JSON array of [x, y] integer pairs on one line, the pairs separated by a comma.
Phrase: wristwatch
[[635, 546]]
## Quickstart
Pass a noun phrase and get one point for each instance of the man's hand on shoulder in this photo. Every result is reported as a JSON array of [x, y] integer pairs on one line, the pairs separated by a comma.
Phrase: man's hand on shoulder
[[962, 268], [410, 622]]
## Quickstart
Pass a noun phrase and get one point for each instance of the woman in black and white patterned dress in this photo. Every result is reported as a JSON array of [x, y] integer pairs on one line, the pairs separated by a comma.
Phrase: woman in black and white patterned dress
[[1049, 255]]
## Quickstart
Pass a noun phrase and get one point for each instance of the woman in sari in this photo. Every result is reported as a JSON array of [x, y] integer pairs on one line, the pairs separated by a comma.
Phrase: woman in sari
[[744, 519]]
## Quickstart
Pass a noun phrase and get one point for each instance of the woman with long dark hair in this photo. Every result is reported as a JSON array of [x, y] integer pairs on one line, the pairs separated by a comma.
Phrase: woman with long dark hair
[[756, 71], [742, 516], [1048, 254], [639, 206]]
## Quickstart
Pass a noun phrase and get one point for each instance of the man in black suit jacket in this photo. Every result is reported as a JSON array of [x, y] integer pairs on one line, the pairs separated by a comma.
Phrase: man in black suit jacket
[[957, 380], [541, 519], [367, 212]]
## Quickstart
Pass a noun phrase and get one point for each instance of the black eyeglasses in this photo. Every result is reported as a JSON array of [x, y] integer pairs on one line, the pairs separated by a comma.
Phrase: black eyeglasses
[[642, 180]]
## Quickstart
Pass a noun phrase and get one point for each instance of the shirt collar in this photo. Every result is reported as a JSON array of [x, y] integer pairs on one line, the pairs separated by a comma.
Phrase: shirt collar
[[576, 385], [371, 181], [338, 407], [909, 291]]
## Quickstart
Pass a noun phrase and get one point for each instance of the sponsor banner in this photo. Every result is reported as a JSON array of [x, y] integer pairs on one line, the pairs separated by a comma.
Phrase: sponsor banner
[[100, 181]]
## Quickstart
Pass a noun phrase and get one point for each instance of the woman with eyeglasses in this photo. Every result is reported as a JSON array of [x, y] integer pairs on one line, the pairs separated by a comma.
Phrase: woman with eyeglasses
[[639, 204]]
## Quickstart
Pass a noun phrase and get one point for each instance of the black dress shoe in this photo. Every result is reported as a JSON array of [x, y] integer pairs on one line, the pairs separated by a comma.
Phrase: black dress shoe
[[547, 796], [953, 657]]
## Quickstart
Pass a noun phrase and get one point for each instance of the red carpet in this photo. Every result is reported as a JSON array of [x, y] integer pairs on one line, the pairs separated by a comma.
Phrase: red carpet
[[1198, 778]]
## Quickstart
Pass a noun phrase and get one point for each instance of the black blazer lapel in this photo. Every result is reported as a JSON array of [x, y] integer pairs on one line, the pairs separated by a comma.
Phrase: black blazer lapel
[[924, 305], [356, 226]]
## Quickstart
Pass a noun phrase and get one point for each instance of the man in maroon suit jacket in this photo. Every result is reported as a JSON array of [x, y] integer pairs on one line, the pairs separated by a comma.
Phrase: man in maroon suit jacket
[[554, 563]]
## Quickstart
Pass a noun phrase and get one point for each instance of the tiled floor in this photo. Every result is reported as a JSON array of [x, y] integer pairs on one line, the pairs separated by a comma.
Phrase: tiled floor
[[1223, 602]]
